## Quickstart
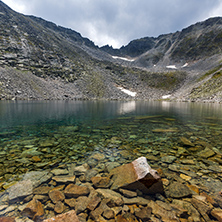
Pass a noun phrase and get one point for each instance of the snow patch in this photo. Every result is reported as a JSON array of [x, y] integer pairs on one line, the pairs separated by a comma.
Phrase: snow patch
[[128, 92], [185, 65], [171, 67], [166, 96], [122, 58]]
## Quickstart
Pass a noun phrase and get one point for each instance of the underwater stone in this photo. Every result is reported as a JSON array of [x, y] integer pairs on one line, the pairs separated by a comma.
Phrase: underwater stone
[[179, 190], [70, 216], [206, 153], [186, 142], [37, 177], [73, 190], [168, 159], [34, 210], [20, 190], [137, 175]]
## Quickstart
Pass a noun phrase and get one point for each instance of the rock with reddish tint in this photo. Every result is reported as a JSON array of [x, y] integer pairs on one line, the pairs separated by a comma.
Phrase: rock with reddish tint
[[101, 182], [74, 191], [34, 210], [59, 207], [120, 218], [217, 213], [56, 196], [137, 175], [64, 179], [93, 202], [7, 219], [70, 202], [66, 217]]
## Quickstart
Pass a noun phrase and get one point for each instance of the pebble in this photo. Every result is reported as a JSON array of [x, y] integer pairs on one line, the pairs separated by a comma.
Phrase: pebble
[[168, 159]]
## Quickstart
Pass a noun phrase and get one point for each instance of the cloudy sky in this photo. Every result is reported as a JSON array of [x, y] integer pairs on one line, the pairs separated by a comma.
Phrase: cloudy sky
[[117, 22]]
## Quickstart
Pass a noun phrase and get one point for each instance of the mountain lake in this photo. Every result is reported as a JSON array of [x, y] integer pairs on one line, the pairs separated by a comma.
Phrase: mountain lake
[[182, 139]]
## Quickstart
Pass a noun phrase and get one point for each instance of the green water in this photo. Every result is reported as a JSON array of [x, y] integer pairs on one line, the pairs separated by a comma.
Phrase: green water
[[42, 135]]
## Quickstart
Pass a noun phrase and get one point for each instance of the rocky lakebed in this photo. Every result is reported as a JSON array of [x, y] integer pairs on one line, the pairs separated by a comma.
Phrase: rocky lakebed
[[107, 191], [136, 168]]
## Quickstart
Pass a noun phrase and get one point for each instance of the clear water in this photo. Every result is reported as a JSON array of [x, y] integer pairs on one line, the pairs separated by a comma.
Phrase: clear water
[[39, 135]]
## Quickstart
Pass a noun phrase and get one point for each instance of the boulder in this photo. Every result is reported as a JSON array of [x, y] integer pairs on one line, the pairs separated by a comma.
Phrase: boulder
[[67, 217], [137, 175], [34, 210]]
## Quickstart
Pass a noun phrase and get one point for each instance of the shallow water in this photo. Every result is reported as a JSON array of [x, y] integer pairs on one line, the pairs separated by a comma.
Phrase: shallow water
[[41, 135]]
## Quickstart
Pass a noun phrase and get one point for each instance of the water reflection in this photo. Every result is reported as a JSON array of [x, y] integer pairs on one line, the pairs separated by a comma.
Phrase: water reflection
[[127, 107], [14, 113]]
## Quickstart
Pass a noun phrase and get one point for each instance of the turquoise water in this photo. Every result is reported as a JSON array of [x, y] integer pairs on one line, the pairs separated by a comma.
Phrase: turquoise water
[[40, 135]]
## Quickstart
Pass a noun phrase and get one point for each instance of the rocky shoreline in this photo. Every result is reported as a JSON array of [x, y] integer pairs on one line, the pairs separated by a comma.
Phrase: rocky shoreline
[[97, 190], [23, 85]]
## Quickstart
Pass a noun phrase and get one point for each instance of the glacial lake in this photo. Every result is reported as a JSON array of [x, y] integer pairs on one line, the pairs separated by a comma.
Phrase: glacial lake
[[41, 135]]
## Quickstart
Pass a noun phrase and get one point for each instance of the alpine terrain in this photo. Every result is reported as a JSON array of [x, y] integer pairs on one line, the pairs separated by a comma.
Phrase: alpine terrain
[[42, 61]]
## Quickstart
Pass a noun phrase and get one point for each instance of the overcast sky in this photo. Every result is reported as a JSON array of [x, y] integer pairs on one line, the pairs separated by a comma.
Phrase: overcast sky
[[117, 22]]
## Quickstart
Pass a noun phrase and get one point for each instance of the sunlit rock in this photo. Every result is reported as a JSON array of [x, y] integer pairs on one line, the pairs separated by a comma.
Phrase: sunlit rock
[[137, 175]]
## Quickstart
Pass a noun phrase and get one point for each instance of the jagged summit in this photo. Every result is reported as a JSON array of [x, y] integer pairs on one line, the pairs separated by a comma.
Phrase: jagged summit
[[198, 41]]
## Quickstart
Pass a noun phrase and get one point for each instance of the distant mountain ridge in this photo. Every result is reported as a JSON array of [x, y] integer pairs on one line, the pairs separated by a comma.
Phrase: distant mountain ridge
[[197, 41], [40, 60]]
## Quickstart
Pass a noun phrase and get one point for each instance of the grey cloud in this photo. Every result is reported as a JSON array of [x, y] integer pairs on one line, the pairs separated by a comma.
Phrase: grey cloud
[[119, 21]]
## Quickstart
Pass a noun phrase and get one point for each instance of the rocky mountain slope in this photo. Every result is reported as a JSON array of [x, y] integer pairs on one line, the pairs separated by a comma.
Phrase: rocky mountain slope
[[40, 60]]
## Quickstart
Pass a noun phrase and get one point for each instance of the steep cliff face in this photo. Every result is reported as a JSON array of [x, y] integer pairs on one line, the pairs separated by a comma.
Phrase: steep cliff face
[[40, 60]]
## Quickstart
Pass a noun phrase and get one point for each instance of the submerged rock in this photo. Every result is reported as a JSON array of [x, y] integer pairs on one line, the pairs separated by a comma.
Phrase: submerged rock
[[34, 210], [73, 190], [137, 175], [20, 190], [186, 142], [179, 190], [67, 217]]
